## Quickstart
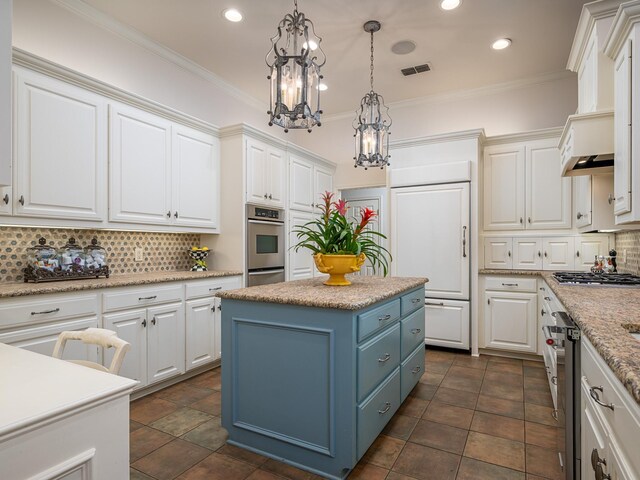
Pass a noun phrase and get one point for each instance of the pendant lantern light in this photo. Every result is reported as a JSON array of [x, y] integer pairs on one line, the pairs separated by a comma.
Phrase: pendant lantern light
[[372, 121], [295, 60]]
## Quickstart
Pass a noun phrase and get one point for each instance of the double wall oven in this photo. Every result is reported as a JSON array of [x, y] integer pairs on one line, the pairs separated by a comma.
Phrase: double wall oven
[[265, 245]]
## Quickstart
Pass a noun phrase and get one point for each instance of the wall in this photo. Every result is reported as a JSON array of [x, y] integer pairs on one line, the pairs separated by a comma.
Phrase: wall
[[162, 252], [629, 241], [499, 110]]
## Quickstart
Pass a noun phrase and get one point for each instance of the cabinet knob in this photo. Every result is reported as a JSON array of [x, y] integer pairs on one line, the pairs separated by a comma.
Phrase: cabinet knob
[[144, 323], [265, 196], [270, 197], [169, 214], [21, 201], [5, 199], [175, 214], [539, 254], [529, 219], [545, 254], [611, 198], [153, 321], [509, 253], [521, 220], [579, 215], [578, 253]]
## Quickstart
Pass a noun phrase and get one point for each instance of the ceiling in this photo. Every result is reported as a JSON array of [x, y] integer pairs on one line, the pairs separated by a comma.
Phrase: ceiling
[[456, 43]]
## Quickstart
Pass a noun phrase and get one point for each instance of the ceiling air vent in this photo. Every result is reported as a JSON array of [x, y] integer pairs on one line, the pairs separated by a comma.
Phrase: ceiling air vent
[[417, 69]]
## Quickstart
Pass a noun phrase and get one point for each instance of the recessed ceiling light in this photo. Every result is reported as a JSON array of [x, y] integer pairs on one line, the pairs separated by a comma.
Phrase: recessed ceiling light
[[403, 47], [450, 4], [312, 45], [232, 15], [501, 43], [322, 87]]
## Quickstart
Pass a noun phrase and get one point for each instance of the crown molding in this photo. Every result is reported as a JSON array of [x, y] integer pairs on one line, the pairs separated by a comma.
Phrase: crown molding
[[475, 134], [466, 94], [38, 64], [628, 15], [541, 134], [109, 23]]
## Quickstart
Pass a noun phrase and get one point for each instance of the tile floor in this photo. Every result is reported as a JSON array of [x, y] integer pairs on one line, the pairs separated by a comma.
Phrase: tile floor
[[468, 418]]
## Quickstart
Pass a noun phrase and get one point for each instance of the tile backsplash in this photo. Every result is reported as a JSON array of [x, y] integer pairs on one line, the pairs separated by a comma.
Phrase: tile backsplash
[[629, 241], [161, 251]]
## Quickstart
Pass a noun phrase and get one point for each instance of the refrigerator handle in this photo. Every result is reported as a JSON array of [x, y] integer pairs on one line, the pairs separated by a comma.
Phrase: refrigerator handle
[[464, 241]]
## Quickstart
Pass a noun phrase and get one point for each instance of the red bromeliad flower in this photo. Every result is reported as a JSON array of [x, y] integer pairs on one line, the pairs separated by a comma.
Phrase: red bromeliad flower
[[326, 198], [341, 206], [366, 214]]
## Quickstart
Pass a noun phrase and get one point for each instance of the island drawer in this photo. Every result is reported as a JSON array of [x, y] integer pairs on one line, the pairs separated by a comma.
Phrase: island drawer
[[411, 301], [142, 297], [376, 411], [46, 308], [209, 287], [411, 332], [511, 284], [410, 371], [376, 359], [375, 320]]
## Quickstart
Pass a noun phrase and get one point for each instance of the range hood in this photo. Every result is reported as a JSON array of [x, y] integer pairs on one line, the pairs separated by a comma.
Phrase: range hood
[[586, 144]]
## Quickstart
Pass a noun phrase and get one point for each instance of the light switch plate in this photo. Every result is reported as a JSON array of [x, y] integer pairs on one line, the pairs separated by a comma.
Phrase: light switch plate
[[137, 254]]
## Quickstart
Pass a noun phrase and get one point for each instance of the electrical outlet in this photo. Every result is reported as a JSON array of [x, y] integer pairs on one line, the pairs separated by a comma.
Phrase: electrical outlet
[[137, 254]]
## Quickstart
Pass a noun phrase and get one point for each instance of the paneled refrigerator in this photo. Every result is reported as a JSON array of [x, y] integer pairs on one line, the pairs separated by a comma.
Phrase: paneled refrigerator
[[430, 237]]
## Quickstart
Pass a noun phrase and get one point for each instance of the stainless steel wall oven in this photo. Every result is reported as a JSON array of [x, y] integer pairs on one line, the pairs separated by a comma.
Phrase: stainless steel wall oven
[[265, 245]]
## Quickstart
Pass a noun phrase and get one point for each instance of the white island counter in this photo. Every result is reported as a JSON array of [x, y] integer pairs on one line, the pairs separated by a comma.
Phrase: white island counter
[[61, 420]]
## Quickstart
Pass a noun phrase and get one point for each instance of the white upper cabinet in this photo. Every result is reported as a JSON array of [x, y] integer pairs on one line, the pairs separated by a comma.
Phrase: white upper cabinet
[[523, 188], [582, 200], [266, 173], [300, 264], [623, 133], [301, 191], [498, 252], [5, 93], [140, 166], [587, 247], [60, 149], [558, 253], [323, 182], [527, 254], [196, 177]]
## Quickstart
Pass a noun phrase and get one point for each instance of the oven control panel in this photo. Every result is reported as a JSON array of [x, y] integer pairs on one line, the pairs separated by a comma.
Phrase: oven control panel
[[265, 213]]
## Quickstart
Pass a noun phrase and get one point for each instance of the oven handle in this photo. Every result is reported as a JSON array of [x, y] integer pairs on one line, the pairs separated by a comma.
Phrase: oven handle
[[267, 272], [264, 222]]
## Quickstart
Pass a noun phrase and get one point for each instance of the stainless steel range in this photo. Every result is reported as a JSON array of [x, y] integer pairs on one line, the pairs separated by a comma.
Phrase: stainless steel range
[[588, 278]]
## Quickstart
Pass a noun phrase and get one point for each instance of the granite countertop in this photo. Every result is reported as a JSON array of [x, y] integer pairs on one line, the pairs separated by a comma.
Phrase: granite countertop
[[22, 289], [606, 315], [495, 271], [363, 292]]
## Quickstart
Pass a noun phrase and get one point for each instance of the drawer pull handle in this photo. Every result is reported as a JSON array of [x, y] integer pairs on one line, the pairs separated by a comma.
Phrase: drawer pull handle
[[385, 358], [554, 380], [416, 370], [153, 321], [548, 299], [387, 407], [384, 318], [509, 284], [542, 312], [21, 200], [415, 331], [5, 199], [44, 312], [147, 298], [432, 304], [215, 288], [415, 300], [593, 392], [596, 460]]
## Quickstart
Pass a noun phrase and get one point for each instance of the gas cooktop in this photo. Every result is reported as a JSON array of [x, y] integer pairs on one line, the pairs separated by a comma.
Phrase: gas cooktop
[[588, 278]]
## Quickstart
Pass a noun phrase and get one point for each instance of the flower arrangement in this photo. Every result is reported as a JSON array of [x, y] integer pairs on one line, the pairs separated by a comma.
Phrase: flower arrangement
[[333, 234]]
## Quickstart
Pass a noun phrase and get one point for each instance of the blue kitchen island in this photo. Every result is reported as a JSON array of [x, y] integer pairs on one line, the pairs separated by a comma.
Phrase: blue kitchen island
[[311, 374]]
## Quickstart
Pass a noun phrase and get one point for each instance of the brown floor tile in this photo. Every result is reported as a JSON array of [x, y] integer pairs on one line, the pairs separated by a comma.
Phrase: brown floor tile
[[145, 440], [440, 355], [287, 471], [263, 475], [498, 359], [399, 476], [182, 394], [413, 407], [136, 475], [543, 462], [535, 477], [242, 454], [437, 435], [209, 435], [426, 463], [400, 426], [365, 471], [535, 372], [533, 383], [459, 398], [210, 380], [431, 378], [425, 392], [181, 421], [500, 406], [465, 372], [539, 397], [218, 467], [471, 469], [461, 383], [496, 450], [437, 366], [498, 425], [502, 378], [533, 364], [384, 451], [171, 459], [210, 404], [133, 426], [503, 391], [539, 414], [471, 362], [504, 367], [540, 435], [149, 409], [449, 415]]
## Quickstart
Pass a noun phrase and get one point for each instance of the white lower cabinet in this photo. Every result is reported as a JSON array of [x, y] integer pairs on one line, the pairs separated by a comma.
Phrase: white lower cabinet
[[130, 326], [447, 323], [201, 331]]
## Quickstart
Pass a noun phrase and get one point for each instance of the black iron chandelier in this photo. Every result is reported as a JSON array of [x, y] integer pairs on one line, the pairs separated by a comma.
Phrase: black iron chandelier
[[372, 121], [296, 59]]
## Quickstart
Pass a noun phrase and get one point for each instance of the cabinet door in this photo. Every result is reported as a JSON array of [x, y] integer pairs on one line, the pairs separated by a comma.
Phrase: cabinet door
[[217, 329], [322, 182], [592, 437], [257, 171], [140, 166], [548, 193], [497, 253], [165, 342], [587, 247], [582, 200], [510, 321], [527, 253], [6, 16], [200, 330], [301, 196], [132, 326], [622, 139], [196, 177], [6, 200], [301, 264], [558, 253], [447, 323], [504, 189], [61, 149], [277, 177]]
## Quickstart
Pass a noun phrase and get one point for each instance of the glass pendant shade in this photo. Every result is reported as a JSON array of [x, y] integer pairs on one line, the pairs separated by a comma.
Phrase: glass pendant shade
[[295, 60], [372, 122]]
